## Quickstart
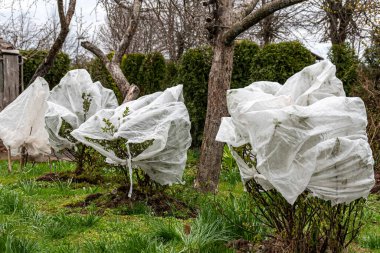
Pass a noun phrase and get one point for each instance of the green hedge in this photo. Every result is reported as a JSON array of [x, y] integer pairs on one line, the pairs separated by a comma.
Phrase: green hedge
[[33, 59], [346, 62], [148, 72], [131, 65], [152, 73], [277, 62], [99, 73], [193, 71], [244, 55]]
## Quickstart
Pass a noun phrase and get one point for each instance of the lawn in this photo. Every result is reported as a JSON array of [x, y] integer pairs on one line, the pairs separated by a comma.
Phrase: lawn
[[40, 216]]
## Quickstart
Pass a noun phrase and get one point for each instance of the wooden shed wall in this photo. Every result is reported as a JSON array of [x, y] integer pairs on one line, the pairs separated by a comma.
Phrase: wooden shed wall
[[9, 79]]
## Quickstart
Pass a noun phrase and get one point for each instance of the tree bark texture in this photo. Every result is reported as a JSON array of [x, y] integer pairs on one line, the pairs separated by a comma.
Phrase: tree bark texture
[[218, 84], [211, 150]]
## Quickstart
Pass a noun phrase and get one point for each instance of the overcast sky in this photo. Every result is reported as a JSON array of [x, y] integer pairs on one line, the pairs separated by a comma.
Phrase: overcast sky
[[41, 10]]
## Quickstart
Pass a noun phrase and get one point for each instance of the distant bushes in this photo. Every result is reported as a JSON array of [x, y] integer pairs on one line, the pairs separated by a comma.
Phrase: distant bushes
[[33, 58], [193, 71], [277, 62], [346, 62], [244, 55]]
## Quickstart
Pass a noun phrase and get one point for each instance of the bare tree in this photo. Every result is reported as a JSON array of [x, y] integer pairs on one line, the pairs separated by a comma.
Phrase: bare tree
[[21, 31], [224, 26], [65, 20], [340, 21], [166, 26], [129, 91]]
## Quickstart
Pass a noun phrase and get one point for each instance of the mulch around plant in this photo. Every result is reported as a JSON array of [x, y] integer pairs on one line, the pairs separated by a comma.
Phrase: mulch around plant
[[160, 203], [64, 176]]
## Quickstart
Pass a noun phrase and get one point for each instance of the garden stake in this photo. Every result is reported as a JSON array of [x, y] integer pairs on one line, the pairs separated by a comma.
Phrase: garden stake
[[9, 160]]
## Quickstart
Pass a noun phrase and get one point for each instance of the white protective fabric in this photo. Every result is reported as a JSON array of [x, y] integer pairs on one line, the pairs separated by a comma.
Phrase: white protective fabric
[[305, 134], [22, 122], [66, 102], [161, 117]]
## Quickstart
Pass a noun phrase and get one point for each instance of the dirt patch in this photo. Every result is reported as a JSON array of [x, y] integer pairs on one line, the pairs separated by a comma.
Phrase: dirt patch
[[64, 176], [376, 188], [160, 203]]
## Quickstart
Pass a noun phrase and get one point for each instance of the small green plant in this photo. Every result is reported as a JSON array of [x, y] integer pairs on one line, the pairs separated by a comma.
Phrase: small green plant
[[130, 243], [239, 215], [28, 186], [203, 234], [165, 232], [11, 202], [230, 171], [64, 186], [88, 220], [9, 243], [370, 241]]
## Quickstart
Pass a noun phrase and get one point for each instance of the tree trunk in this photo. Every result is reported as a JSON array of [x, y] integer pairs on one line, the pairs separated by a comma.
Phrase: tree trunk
[[64, 20], [211, 150], [129, 91]]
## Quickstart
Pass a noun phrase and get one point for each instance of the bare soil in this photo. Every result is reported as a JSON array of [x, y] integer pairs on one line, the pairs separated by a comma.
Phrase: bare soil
[[161, 204]]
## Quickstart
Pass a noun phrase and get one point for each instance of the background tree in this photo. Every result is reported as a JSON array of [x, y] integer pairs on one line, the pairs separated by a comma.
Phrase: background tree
[[65, 20], [129, 91], [167, 26], [224, 25]]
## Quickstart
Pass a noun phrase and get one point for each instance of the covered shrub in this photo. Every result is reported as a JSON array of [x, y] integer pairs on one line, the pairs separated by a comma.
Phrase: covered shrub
[[346, 62], [277, 62], [193, 72], [34, 58]]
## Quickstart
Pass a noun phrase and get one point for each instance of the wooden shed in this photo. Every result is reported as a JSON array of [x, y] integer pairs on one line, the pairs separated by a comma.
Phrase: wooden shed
[[11, 83]]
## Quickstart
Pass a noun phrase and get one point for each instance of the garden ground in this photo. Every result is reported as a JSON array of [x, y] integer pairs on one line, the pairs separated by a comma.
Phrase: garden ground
[[62, 215]]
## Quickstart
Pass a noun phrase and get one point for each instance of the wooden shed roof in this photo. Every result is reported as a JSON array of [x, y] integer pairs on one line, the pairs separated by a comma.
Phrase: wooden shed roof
[[6, 47]]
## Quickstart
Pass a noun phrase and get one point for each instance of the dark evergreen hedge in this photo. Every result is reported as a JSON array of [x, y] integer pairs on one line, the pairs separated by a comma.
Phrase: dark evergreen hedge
[[32, 59]]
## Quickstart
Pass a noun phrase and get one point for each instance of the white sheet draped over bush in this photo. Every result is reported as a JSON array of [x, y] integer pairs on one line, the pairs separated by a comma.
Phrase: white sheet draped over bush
[[75, 99], [22, 122], [305, 134], [161, 117]]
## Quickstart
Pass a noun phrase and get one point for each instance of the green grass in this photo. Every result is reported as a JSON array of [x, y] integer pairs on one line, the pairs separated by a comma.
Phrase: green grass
[[34, 216]]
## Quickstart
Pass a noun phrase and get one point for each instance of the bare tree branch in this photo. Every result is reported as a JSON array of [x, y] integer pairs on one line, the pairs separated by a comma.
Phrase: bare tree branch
[[61, 14], [267, 9], [248, 9], [121, 4], [96, 51], [45, 66], [131, 30]]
